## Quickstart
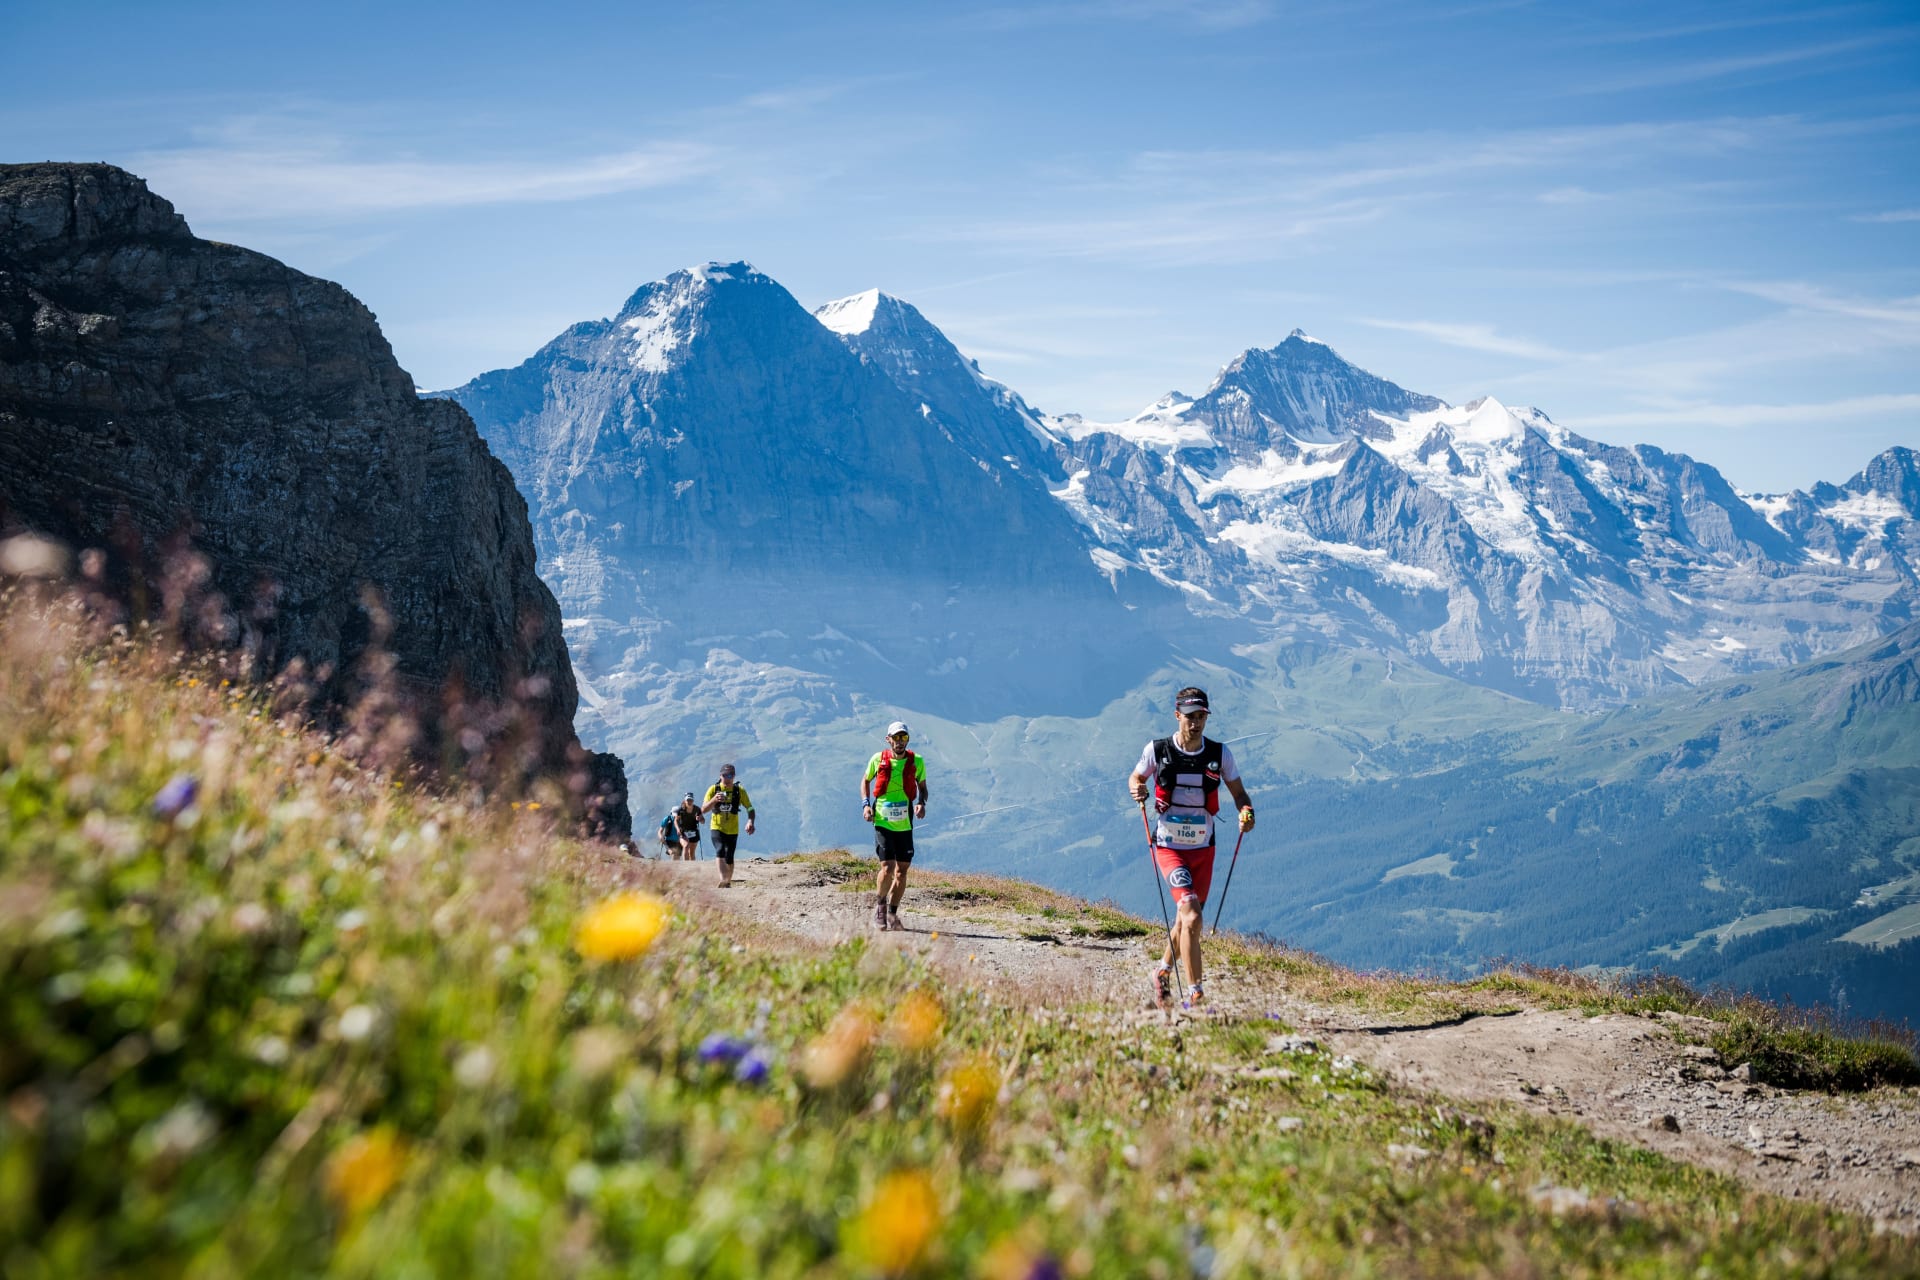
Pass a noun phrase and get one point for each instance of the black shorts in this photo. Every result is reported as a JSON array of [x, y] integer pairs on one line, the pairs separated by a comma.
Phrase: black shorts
[[724, 843], [893, 846]]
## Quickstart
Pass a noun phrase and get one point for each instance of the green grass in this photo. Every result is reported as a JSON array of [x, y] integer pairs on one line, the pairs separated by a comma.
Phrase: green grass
[[323, 1021]]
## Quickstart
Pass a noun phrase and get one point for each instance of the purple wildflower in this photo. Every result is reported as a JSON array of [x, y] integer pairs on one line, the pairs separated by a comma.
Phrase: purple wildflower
[[173, 798], [723, 1048], [1045, 1267], [753, 1067]]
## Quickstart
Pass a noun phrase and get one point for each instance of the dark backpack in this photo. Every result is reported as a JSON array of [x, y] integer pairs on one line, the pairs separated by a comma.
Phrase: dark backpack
[[1169, 762]]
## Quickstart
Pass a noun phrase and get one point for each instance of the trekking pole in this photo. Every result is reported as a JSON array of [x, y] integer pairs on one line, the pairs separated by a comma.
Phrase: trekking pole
[[1229, 884], [1157, 886]]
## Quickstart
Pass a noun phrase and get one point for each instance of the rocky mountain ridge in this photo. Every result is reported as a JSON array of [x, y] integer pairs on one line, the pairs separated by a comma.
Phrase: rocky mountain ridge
[[161, 394], [719, 482], [1487, 541]]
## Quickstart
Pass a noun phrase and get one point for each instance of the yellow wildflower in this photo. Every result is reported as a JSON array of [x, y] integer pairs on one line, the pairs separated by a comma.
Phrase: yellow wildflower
[[364, 1170], [893, 1231], [624, 926], [841, 1050], [916, 1023], [1010, 1259], [969, 1094]]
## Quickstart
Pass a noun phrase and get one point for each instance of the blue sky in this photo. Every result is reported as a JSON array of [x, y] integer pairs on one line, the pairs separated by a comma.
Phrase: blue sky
[[1691, 225]]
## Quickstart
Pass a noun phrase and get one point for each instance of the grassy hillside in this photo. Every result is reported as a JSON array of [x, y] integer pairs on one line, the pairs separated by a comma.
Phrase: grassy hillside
[[1761, 834], [264, 1010]]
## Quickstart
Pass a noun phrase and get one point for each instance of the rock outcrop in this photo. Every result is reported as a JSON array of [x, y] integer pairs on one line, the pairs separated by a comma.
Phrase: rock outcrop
[[160, 392]]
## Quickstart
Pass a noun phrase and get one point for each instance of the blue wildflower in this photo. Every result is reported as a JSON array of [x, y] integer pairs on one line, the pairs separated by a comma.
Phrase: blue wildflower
[[753, 1067], [720, 1048], [174, 798], [1045, 1267]]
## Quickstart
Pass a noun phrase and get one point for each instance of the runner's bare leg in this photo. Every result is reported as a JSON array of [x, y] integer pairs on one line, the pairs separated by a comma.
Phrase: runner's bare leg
[[1186, 932]]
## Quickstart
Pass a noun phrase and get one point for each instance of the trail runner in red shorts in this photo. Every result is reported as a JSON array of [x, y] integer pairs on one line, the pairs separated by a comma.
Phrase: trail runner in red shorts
[[1184, 773]]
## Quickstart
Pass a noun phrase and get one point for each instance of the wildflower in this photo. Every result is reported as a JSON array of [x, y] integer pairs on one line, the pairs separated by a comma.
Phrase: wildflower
[[172, 800], [474, 1067], [26, 556], [969, 1093], [916, 1023], [270, 1050], [364, 1170], [753, 1068], [357, 1023], [583, 1180], [841, 1050], [594, 1051], [179, 1133], [1010, 1259], [623, 927], [893, 1231], [250, 917], [722, 1048]]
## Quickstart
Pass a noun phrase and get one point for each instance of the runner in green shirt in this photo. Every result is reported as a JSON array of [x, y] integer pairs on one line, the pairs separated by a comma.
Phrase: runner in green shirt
[[892, 794]]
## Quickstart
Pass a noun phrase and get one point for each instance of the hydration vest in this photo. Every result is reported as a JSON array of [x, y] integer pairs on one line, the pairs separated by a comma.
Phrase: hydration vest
[[728, 799], [884, 774], [1174, 767]]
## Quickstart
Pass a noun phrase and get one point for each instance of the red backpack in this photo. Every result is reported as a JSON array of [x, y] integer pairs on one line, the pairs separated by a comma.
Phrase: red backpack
[[884, 774]]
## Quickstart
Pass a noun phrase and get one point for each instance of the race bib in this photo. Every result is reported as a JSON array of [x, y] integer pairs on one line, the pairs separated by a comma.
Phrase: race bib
[[892, 810], [1180, 832]]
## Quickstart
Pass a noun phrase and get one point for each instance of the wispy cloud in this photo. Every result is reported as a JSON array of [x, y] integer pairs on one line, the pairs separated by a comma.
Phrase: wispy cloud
[[1900, 316], [315, 181], [1636, 34], [1206, 15], [1473, 337], [1570, 195], [1741, 416], [1891, 215], [1214, 205], [1703, 69], [804, 97]]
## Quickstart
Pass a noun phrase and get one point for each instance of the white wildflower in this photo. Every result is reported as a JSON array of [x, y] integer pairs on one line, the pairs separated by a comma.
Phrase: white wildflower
[[474, 1067]]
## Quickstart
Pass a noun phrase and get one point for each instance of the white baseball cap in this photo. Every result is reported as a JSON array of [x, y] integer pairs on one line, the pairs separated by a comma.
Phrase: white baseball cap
[[898, 726]]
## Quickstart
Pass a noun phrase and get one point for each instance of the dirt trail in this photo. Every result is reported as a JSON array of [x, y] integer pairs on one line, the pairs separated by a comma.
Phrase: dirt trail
[[1624, 1077]]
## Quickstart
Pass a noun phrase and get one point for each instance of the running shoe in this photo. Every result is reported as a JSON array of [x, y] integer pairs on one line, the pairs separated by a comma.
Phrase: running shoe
[[1195, 997], [880, 916], [893, 922], [1162, 987]]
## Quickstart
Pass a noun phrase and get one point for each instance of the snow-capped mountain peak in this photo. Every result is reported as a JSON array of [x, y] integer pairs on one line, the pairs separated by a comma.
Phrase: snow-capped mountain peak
[[849, 316], [661, 318]]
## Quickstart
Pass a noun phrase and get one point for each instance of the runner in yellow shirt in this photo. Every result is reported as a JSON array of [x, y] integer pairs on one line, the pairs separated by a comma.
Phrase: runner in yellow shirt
[[725, 799]]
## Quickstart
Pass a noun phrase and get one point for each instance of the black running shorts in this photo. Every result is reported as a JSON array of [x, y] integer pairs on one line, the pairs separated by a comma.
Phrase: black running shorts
[[893, 846], [724, 843]]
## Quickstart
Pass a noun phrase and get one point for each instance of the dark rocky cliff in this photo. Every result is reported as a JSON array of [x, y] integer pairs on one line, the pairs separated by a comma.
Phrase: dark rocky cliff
[[159, 391]]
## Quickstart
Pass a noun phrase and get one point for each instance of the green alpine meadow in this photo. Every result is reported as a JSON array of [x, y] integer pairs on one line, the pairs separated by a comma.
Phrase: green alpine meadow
[[266, 1009]]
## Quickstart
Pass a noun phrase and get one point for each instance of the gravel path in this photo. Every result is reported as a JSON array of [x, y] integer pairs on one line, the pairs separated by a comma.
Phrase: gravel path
[[1624, 1077]]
